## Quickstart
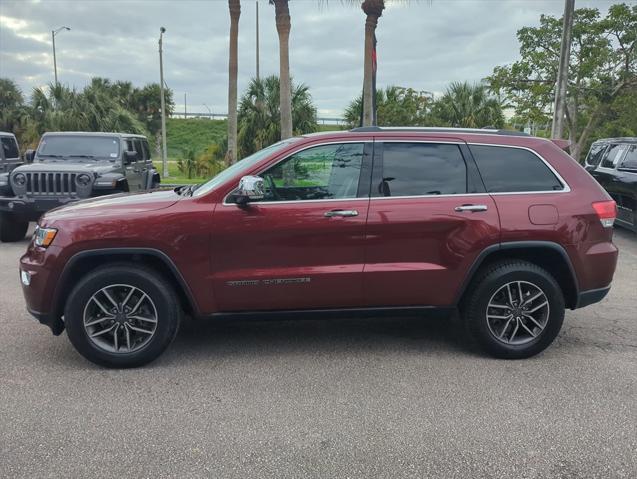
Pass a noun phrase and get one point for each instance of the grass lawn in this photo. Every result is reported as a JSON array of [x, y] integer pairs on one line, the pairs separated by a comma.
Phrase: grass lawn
[[196, 133]]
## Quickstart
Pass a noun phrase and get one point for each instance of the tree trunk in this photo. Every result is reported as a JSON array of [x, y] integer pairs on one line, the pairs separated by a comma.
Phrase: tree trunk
[[283, 27], [233, 65], [373, 9]]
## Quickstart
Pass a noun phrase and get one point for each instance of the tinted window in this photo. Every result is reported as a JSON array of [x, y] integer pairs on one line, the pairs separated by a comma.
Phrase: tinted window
[[630, 160], [416, 169], [612, 156], [79, 147], [595, 155], [9, 147], [139, 150], [513, 169], [322, 172], [146, 149]]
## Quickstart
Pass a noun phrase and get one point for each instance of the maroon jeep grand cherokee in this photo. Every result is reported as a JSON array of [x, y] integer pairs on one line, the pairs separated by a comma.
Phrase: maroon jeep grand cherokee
[[505, 227]]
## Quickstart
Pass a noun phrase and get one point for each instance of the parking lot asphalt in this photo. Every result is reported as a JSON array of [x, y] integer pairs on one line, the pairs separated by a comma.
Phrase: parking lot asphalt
[[379, 398]]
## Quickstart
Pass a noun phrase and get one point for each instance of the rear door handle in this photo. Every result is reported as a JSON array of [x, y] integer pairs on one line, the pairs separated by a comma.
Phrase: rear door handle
[[471, 208], [331, 213]]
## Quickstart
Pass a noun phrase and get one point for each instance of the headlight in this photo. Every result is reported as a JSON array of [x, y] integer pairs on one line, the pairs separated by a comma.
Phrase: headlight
[[83, 180], [20, 179], [44, 236]]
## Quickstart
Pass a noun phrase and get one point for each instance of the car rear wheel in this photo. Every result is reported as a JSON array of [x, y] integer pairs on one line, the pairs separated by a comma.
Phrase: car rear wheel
[[122, 316], [515, 309], [11, 228]]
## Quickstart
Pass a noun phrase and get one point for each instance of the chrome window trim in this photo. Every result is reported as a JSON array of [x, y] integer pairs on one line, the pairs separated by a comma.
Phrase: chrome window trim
[[334, 142], [566, 189]]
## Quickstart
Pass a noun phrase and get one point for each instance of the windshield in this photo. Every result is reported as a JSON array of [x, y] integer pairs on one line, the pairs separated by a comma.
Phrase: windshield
[[240, 166], [79, 147]]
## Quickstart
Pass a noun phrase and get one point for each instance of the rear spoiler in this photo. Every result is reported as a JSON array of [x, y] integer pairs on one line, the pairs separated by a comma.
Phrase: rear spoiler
[[562, 144]]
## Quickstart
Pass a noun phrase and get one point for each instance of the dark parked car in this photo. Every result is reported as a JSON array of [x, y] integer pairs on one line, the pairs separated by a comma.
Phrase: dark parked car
[[9, 153], [70, 166], [506, 228], [613, 163]]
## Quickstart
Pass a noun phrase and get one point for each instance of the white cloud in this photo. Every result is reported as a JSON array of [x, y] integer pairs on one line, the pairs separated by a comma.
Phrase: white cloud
[[424, 45]]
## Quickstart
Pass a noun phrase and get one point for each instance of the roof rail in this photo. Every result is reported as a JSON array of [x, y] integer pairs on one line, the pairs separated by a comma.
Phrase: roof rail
[[486, 131]]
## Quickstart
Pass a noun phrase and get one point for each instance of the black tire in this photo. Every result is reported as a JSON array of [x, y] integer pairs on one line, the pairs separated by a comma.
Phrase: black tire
[[148, 281], [491, 282], [11, 228]]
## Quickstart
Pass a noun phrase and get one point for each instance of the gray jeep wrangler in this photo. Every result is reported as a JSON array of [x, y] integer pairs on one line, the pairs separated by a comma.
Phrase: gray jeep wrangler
[[70, 166]]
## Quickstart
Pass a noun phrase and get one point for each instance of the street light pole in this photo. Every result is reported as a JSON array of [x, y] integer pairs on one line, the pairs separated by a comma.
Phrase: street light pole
[[163, 105], [55, 65], [559, 111], [257, 4]]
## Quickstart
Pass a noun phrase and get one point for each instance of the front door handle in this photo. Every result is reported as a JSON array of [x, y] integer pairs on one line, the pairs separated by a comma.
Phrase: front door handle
[[331, 213], [471, 208]]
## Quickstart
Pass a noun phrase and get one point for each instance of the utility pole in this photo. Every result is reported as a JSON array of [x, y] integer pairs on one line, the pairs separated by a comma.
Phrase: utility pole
[[559, 111], [257, 5], [185, 107], [164, 156], [55, 65]]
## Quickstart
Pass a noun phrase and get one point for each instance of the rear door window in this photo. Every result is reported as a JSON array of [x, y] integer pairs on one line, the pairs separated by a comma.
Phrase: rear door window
[[9, 147], [511, 170], [630, 160], [613, 155], [422, 169]]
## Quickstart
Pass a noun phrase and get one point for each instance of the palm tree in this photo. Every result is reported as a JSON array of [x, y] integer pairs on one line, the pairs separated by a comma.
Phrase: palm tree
[[259, 114], [283, 27], [233, 66], [373, 9], [468, 106]]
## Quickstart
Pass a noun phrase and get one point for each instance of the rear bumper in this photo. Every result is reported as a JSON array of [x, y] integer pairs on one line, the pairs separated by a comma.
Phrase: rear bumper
[[592, 296]]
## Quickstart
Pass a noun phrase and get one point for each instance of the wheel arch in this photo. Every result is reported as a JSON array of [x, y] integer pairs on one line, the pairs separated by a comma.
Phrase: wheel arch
[[84, 262], [546, 254]]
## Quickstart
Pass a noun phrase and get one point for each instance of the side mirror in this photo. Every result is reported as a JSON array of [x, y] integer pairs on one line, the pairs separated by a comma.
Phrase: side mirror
[[29, 155], [250, 188], [130, 156]]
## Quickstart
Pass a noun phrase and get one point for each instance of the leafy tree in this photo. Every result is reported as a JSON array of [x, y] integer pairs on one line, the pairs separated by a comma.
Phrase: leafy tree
[[395, 106], [188, 164], [211, 161], [468, 106], [603, 66], [259, 118], [13, 111]]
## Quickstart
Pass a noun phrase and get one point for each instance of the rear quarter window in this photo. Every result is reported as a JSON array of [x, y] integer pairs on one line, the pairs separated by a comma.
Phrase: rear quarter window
[[512, 170], [9, 147]]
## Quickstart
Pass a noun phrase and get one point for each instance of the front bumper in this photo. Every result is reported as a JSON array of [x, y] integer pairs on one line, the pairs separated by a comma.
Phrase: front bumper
[[40, 266], [55, 323], [31, 209]]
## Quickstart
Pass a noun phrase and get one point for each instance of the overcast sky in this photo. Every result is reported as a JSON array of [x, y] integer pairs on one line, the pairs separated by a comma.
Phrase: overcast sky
[[423, 45]]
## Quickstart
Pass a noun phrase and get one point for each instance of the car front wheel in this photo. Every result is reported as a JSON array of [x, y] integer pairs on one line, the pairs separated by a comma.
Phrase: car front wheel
[[11, 228], [122, 316], [515, 309]]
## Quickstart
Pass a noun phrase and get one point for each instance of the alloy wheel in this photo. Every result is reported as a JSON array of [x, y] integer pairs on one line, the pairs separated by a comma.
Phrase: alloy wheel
[[517, 312], [120, 318]]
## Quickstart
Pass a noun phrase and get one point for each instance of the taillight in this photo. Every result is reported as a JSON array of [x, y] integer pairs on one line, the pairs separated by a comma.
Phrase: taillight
[[606, 212]]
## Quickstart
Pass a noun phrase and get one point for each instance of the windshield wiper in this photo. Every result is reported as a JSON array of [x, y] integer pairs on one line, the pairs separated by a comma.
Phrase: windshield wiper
[[90, 157], [49, 156]]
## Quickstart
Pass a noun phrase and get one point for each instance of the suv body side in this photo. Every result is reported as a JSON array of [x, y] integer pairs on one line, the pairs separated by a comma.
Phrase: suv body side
[[409, 251]]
